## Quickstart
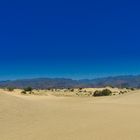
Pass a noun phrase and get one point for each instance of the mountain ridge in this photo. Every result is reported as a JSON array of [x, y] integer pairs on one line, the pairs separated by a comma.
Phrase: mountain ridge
[[130, 81]]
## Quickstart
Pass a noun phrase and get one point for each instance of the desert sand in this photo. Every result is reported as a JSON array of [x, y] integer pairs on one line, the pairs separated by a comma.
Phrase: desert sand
[[50, 117]]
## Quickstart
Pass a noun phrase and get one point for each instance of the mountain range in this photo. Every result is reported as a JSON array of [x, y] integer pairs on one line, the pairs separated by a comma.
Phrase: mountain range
[[129, 81]]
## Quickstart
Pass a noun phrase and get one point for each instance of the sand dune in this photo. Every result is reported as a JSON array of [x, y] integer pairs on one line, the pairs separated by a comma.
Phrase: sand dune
[[69, 118]]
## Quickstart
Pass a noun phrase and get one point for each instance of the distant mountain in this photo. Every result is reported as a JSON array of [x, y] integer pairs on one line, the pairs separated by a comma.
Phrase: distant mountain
[[44, 83]]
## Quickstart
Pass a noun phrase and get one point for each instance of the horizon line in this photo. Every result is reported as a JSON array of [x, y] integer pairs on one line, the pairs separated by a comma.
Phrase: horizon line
[[76, 79]]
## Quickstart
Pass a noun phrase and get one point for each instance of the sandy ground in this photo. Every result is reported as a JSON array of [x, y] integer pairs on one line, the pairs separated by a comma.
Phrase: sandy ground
[[69, 118]]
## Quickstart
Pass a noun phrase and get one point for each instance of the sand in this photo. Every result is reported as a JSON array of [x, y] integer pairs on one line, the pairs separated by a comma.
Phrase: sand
[[69, 118]]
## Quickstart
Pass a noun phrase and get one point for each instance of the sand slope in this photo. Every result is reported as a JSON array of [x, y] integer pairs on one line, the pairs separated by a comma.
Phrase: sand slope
[[70, 118]]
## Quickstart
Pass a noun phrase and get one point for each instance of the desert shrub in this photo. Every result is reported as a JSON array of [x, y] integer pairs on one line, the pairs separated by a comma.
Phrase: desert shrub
[[28, 89], [132, 89], [48, 88], [80, 88], [105, 92], [23, 92], [97, 93], [10, 88], [122, 92], [72, 90], [90, 92]]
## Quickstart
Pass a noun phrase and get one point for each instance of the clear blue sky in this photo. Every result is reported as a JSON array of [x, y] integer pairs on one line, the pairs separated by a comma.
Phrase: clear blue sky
[[77, 39]]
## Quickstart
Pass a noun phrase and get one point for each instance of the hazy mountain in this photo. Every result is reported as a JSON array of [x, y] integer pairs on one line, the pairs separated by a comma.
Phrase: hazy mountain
[[43, 83]]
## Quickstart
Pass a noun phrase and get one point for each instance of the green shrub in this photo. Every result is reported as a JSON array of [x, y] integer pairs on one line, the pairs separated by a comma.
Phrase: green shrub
[[28, 89], [80, 88], [105, 92], [72, 90], [97, 93], [10, 88], [23, 92], [132, 89]]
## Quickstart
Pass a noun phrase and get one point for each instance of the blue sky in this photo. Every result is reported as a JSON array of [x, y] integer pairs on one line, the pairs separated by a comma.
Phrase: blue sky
[[74, 39]]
